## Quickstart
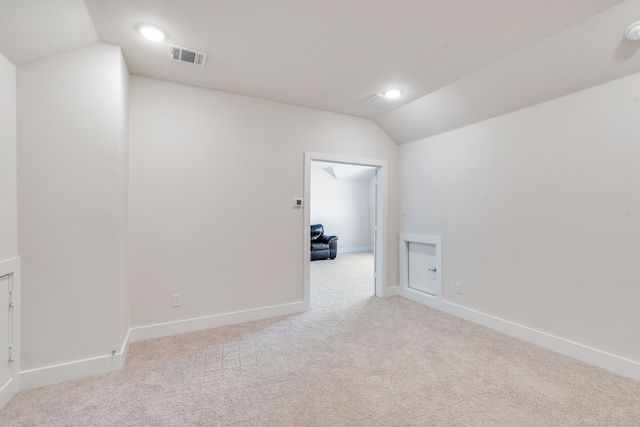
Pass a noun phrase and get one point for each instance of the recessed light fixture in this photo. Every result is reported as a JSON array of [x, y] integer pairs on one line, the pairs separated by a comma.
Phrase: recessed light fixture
[[633, 32], [151, 33], [393, 93]]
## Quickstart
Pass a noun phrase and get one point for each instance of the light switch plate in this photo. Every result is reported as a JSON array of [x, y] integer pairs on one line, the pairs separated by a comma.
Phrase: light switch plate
[[458, 288]]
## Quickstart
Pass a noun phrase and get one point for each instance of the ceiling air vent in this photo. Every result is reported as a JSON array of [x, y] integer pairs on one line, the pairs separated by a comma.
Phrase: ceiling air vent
[[379, 100], [189, 56]]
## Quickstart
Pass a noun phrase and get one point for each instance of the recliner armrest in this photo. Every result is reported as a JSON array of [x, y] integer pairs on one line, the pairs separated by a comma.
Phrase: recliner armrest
[[327, 239]]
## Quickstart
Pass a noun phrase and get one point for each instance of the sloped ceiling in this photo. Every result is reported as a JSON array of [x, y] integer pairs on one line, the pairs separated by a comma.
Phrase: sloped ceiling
[[35, 29], [584, 55], [457, 61]]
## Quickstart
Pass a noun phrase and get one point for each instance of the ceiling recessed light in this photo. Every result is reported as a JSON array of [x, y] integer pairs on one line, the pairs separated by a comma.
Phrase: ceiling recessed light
[[151, 33], [633, 32], [393, 93]]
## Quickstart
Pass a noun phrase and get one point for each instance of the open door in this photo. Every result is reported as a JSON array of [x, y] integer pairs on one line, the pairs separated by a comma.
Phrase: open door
[[5, 329], [343, 201], [379, 208], [9, 319], [375, 228]]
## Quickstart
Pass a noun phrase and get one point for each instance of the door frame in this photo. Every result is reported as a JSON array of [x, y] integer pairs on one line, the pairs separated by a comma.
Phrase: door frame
[[381, 215], [10, 388]]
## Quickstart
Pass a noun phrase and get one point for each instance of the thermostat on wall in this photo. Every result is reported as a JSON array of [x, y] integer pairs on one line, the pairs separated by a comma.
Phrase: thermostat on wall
[[297, 202]]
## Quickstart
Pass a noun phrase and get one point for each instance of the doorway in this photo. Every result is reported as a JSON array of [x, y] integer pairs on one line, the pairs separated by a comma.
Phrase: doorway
[[5, 330], [9, 329], [327, 165]]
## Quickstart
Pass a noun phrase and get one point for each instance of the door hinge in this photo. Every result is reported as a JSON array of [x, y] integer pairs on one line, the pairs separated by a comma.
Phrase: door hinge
[[11, 354], [11, 299]]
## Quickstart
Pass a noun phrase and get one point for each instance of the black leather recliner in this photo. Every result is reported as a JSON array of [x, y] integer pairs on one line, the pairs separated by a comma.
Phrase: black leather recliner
[[322, 246]]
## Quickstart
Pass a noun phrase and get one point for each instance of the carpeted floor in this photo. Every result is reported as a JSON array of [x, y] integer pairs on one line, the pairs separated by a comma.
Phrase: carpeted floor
[[353, 360]]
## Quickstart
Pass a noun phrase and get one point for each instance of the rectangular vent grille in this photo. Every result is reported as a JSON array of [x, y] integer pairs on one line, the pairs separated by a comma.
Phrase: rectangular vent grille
[[189, 56], [379, 100]]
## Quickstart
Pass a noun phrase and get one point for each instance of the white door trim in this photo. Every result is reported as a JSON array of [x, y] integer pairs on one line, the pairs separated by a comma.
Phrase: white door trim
[[11, 267], [381, 210]]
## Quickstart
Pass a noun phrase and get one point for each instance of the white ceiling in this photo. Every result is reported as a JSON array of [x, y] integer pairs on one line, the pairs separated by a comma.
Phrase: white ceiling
[[581, 56], [458, 61], [35, 29]]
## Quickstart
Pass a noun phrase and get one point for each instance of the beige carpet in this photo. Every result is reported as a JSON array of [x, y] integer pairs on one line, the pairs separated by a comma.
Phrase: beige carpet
[[353, 360]]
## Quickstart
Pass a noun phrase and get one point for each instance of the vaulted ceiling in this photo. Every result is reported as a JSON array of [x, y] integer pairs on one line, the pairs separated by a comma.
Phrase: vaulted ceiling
[[456, 61]]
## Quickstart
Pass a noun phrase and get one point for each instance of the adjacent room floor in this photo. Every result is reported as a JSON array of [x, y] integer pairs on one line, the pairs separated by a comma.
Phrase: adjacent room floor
[[352, 360]]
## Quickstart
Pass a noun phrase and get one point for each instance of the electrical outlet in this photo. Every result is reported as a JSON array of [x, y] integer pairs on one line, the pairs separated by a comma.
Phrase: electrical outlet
[[177, 300], [458, 288]]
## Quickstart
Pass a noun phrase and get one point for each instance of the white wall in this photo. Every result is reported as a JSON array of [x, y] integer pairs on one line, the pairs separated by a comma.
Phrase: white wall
[[212, 180], [539, 211], [71, 182], [8, 207], [343, 207]]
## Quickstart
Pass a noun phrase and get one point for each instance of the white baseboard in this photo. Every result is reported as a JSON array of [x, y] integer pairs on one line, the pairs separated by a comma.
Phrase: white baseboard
[[610, 362], [191, 325], [7, 391], [110, 363], [391, 291], [70, 371], [121, 357], [359, 249], [76, 369]]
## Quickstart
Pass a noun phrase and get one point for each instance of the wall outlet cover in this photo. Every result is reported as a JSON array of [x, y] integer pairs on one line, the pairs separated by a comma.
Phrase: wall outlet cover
[[177, 300]]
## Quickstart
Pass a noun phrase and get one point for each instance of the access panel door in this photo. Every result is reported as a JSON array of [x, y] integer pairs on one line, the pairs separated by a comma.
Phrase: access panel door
[[422, 268]]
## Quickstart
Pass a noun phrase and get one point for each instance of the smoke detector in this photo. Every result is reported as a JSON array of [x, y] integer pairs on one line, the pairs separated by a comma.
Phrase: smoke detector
[[633, 32], [189, 56]]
